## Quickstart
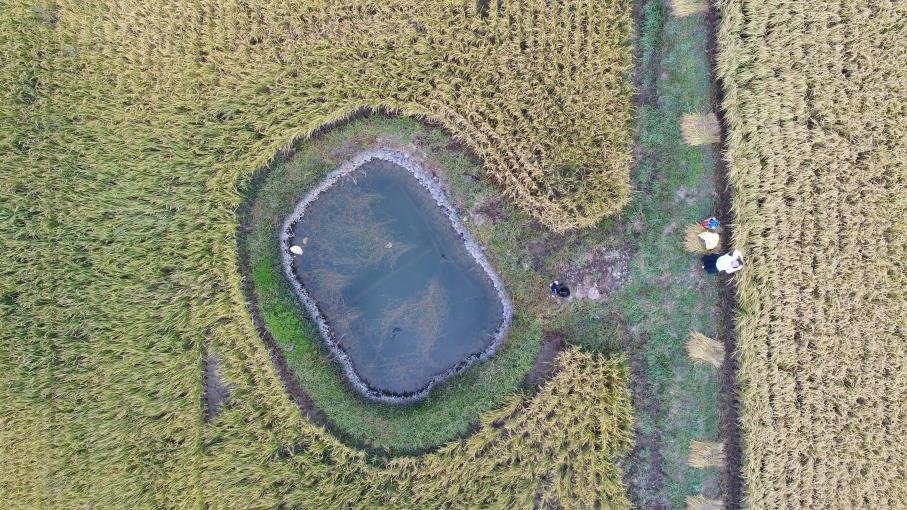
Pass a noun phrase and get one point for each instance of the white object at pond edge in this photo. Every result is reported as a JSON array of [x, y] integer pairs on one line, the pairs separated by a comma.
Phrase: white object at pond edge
[[295, 250]]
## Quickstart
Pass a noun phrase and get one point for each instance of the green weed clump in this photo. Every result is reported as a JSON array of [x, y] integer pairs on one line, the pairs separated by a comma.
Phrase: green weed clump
[[815, 102], [129, 129]]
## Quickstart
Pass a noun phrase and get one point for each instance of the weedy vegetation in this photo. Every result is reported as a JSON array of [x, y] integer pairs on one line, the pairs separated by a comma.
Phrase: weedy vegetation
[[816, 105]]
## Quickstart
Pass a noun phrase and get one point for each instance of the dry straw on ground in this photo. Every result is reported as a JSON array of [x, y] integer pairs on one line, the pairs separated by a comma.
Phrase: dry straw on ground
[[703, 503], [700, 129], [682, 8], [704, 454], [691, 241], [128, 129], [815, 100], [704, 349]]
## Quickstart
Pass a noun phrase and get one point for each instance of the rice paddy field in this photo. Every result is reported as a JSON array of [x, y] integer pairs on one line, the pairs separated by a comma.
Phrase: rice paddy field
[[131, 134], [152, 356], [815, 102]]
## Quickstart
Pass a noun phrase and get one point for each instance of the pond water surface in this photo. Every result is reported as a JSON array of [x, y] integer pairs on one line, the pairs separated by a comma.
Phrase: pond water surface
[[402, 296]]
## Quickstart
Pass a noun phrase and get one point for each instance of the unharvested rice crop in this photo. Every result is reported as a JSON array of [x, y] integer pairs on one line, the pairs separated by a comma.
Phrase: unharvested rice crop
[[816, 104], [558, 448], [539, 90], [129, 130]]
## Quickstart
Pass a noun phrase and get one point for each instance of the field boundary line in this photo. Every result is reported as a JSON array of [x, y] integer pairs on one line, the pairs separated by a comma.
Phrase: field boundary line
[[731, 479]]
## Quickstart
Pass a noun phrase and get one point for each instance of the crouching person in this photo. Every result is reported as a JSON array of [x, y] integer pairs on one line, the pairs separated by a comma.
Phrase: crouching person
[[729, 262]]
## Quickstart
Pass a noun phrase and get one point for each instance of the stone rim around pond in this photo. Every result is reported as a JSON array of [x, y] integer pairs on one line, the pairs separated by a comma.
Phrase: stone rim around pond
[[408, 163]]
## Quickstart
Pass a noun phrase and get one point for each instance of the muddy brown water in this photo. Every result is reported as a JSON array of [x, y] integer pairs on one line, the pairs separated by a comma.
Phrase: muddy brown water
[[403, 297]]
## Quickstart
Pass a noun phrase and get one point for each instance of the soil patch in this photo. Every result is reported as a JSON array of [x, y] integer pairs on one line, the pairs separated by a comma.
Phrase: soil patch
[[541, 248], [216, 391], [599, 272], [544, 367], [489, 209]]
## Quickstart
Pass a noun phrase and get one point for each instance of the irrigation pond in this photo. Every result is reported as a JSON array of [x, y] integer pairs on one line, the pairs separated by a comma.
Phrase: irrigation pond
[[401, 292]]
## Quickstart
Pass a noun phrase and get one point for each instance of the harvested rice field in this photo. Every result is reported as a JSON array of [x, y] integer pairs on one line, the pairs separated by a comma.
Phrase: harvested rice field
[[444, 254]]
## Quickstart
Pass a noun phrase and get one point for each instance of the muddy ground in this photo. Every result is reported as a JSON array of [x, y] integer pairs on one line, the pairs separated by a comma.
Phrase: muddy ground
[[544, 368], [729, 404], [216, 391]]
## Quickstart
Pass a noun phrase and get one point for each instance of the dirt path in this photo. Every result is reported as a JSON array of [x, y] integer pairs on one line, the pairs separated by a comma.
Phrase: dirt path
[[655, 472], [543, 367], [728, 403]]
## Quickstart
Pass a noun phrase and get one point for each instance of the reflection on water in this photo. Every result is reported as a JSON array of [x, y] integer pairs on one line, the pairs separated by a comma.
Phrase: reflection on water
[[392, 278]]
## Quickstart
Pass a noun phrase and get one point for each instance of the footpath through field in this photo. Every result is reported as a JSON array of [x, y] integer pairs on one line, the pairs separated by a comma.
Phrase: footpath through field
[[667, 296]]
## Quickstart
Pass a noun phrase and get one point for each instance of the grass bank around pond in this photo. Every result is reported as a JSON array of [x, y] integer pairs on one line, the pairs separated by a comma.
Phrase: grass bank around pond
[[652, 307], [452, 408]]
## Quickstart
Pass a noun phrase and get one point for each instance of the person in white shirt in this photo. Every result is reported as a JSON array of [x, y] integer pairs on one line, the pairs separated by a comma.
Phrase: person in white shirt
[[729, 262]]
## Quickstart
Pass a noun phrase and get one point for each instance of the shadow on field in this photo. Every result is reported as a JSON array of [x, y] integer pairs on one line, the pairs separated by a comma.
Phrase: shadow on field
[[729, 405]]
